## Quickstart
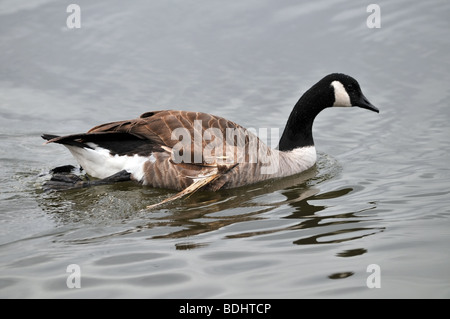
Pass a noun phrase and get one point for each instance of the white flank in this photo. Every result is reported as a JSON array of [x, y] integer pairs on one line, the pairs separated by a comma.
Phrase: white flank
[[305, 157], [341, 97], [99, 163], [293, 162]]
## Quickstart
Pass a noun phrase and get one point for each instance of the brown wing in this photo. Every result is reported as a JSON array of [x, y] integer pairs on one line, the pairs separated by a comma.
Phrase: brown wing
[[206, 138]]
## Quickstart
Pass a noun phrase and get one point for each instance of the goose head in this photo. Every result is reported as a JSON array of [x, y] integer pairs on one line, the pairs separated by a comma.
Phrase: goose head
[[334, 90], [347, 92]]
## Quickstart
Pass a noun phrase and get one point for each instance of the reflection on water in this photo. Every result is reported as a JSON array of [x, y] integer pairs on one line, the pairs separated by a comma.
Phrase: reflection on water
[[291, 201], [352, 252], [341, 275]]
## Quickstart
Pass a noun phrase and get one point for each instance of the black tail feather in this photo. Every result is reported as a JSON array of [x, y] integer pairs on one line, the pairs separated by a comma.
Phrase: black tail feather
[[116, 142], [49, 137], [66, 140]]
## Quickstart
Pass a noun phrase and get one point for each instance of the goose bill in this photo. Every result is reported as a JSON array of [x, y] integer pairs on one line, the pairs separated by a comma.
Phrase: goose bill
[[365, 104]]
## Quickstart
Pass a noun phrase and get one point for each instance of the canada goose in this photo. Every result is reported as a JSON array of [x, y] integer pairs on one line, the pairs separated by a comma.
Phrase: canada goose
[[188, 151]]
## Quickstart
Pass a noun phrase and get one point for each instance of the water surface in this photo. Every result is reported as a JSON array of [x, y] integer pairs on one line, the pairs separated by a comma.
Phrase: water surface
[[379, 193]]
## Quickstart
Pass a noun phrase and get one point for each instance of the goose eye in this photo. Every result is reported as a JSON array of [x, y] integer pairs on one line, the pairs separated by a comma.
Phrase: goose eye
[[349, 87]]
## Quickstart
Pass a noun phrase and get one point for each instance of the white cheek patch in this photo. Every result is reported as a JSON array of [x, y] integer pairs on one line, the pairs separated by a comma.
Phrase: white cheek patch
[[341, 97]]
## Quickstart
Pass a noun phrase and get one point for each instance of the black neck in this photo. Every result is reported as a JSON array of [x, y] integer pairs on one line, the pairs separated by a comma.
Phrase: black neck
[[298, 130]]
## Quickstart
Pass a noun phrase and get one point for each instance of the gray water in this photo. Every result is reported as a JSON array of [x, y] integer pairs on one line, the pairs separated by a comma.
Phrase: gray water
[[379, 193]]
